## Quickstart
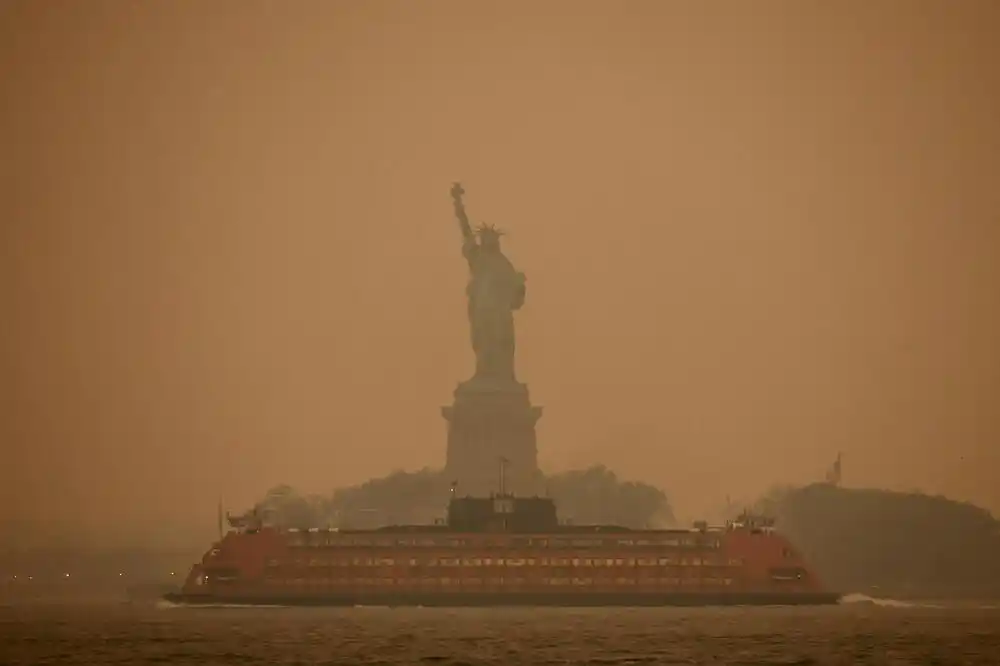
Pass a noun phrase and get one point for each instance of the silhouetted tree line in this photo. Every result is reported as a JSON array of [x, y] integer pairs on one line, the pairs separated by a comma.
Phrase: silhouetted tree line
[[593, 495], [596, 496], [889, 543]]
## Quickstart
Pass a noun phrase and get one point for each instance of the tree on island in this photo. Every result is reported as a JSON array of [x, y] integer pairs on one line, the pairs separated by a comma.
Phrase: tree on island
[[883, 542], [593, 495]]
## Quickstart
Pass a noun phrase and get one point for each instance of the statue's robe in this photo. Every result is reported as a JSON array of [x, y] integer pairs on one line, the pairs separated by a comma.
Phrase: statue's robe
[[494, 291]]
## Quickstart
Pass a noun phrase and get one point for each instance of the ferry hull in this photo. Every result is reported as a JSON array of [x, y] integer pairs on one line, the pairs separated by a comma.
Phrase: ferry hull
[[577, 599]]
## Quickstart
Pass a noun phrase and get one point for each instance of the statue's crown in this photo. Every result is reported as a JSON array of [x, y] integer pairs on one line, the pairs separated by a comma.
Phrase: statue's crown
[[488, 231]]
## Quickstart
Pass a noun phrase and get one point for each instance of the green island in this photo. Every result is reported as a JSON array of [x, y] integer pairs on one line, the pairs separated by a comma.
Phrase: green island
[[891, 544]]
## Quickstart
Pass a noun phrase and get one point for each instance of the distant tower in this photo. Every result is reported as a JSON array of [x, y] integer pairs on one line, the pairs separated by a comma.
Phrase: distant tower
[[833, 476]]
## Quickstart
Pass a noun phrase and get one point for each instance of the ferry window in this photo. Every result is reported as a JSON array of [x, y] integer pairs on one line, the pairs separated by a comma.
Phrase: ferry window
[[557, 543], [787, 573], [515, 562], [386, 561], [619, 562], [531, 561], [222, 574], [624, 542]]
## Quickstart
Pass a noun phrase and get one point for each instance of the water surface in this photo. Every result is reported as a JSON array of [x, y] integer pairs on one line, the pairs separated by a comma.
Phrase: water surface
[[852, 633]]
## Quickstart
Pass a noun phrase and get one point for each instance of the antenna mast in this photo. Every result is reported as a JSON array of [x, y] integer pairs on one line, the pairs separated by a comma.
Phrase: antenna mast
[[503, 470], [219, 517]]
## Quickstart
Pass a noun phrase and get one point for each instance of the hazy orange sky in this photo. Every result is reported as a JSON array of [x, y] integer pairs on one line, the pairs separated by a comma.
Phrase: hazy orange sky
[[755, 234]]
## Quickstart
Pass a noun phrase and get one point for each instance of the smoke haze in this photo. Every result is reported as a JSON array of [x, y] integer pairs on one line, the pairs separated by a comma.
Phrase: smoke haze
[[753, 238]]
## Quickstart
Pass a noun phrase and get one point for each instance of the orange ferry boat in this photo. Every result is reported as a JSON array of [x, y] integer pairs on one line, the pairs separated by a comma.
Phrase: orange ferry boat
[[500, 551]]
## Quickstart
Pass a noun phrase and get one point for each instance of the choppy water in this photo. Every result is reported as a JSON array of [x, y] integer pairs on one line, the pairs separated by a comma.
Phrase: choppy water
[[852, 633]]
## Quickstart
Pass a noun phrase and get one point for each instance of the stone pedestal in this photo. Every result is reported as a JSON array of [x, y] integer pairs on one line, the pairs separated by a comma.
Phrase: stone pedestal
[[491, 420]]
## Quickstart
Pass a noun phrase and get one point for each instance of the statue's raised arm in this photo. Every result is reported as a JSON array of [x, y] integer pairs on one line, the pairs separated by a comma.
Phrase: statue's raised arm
[[463, 219]]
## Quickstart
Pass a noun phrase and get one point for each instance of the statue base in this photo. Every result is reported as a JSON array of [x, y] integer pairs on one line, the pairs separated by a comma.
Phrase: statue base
[[492, 419]]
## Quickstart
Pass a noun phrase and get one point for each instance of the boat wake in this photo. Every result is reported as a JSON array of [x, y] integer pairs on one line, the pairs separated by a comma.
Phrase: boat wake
[[164, 604], [858, 598]]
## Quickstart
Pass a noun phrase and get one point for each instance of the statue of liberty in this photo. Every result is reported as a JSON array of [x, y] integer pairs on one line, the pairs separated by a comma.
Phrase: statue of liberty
[[494, 291]]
